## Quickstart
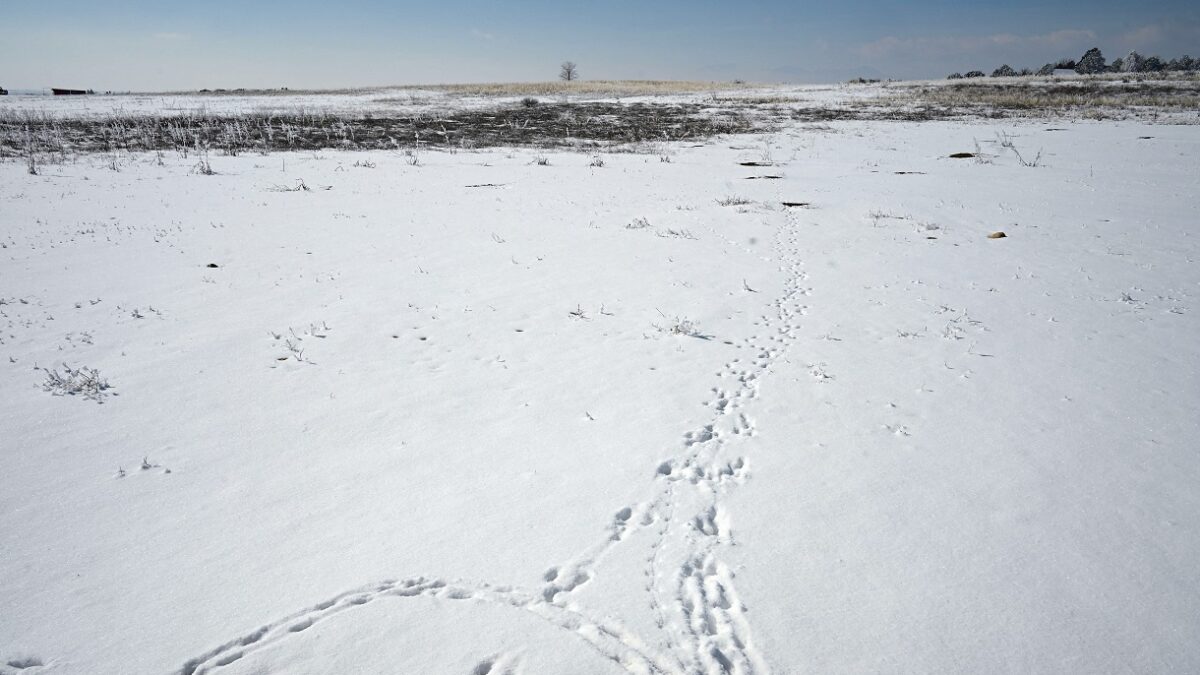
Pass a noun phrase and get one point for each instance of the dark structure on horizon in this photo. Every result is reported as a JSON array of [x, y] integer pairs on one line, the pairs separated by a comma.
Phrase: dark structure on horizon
[[3, 91], [69, 92]]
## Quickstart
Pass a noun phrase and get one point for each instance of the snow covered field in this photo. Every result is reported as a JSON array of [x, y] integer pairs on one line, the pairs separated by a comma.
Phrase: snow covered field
[[516, 410]]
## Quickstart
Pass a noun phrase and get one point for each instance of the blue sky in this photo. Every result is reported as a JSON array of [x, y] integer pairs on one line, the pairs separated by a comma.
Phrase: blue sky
[[145, 46]]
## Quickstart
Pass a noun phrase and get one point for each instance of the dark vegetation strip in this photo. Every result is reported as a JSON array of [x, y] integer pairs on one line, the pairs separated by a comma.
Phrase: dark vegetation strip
[[546, 125]]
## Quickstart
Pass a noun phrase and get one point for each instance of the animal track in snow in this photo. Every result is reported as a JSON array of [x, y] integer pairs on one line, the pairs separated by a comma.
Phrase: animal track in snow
[[703, 629], [714, 521], [565, 583], [716, 620], [703, 435], [497, 664], [720, 402], [743, 425]]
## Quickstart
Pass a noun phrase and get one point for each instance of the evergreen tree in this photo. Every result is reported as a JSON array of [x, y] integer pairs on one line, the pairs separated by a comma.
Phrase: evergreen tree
[[1133, 63], [1091, 63], [1182, 64]]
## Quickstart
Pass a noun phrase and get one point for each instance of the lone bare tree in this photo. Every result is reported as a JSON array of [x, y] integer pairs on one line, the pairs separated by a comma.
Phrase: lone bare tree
[[568, 71]]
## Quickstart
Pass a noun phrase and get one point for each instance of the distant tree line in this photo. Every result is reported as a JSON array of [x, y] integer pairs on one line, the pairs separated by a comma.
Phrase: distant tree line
[[1093, 63]]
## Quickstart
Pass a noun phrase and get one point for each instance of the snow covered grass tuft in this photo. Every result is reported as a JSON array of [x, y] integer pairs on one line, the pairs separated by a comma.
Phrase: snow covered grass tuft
[[82, 381], [676, 234], [685, 327], [1006, 141], [734, 200]]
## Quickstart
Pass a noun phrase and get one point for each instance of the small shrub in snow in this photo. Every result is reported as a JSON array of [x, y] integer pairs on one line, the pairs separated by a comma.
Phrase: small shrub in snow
[[204, 168], [980, 158], [1004, 71], [734, 200], [685, 327], [974, 73], [529, 102], [597, 162], [1005, 141], [638, 223], [676, 234], [300, 186], [82, 381]]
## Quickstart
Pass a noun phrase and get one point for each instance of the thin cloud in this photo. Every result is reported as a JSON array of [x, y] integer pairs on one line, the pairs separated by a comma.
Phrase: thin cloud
[[1145, 36], [1171, 36], [892, 46], [1062, 38], [481, 34]]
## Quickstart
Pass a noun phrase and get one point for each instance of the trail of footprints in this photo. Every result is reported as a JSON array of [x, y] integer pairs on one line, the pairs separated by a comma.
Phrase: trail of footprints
[[702, 622]]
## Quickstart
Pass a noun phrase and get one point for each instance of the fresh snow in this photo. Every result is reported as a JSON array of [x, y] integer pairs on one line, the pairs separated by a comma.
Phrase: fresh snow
[[590, 420]]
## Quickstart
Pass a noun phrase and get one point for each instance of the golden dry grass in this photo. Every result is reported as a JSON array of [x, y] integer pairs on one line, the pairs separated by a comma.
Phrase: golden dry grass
[[1039, 100], [1166, 91], [591, 87]]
